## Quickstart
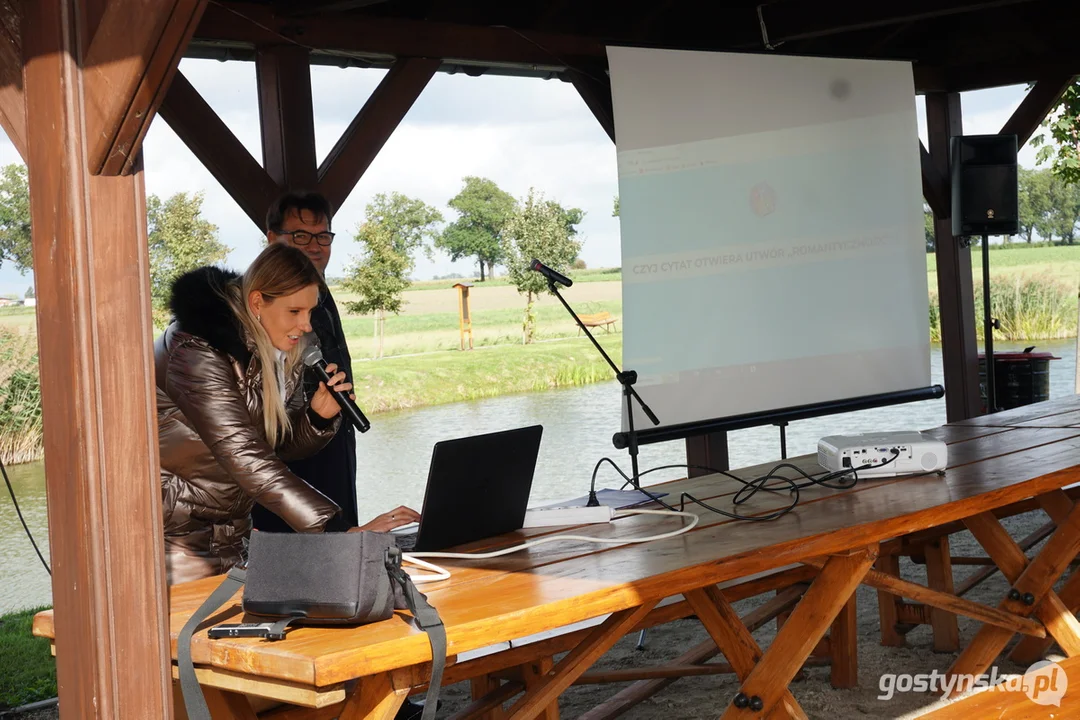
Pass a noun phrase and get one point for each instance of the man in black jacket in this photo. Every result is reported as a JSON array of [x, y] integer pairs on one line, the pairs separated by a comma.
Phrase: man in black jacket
[[303, 221]]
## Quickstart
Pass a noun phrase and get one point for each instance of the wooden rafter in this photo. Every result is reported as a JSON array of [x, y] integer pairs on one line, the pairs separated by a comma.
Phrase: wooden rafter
[[286, 114], [211, 141], [12, 101], [594, 86], [372, 126], [396, 37], [935, 185], [128, 66], [1035, 106]]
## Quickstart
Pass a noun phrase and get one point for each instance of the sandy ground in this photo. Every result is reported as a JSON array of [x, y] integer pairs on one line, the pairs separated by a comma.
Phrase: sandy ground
[[704, 697]]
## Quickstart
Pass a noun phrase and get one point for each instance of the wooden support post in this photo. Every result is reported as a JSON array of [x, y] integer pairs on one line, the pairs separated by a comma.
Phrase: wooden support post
[[354, 152], [287, 116], [103, 484], [707, 451], [955, 290]]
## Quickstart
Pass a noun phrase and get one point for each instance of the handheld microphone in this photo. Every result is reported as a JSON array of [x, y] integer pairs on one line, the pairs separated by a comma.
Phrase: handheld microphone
[[313, 358], [550, 274]]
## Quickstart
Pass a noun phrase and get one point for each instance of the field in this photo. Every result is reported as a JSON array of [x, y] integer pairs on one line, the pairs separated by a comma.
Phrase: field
[[422, 363]]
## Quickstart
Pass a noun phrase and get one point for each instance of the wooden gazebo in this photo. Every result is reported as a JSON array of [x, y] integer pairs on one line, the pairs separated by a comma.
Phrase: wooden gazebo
[[83, 79]]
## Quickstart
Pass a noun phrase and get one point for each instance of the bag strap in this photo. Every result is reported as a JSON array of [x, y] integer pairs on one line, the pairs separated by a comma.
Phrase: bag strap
[[427, 619], [194, 700]]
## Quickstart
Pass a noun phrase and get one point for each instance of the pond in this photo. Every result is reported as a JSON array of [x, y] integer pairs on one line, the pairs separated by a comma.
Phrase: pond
[[393, 457]]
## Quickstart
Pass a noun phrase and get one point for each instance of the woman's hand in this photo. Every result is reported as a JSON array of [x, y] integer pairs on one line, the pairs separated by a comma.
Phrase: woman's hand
[[323, 402], [386, 522]]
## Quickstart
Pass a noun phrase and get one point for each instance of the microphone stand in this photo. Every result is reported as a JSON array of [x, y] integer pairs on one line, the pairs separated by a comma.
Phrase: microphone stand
[[626, 378]]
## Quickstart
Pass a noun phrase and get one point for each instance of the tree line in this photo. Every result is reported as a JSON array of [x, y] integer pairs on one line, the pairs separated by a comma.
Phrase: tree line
[[491, 227]]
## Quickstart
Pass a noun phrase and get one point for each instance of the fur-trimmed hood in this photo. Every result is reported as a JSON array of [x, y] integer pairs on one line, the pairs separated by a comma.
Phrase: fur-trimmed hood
[[199, 309]]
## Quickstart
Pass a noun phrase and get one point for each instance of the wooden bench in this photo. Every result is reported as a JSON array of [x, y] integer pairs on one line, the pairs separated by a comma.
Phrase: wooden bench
[[600, 319], [1017, 705]]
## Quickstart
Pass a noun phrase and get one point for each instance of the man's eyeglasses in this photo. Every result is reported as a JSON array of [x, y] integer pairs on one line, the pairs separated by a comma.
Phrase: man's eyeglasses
[[303, 237]]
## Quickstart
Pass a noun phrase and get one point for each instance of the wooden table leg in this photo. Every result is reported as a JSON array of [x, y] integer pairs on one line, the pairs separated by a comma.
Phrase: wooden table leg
[[939, 576], [547, 689], [888, 604], [534, 673], [1031, 649], [1032, 581], [764, 692], [844, 646], [374, 698], [482, 686]]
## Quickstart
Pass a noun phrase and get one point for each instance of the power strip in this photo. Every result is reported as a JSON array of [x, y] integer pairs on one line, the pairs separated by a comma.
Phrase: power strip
[[548, 517]]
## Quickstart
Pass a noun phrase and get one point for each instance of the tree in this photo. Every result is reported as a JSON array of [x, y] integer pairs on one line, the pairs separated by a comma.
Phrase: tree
[[29, 292], [410, 222], [615, 210], [180, 240], [1063, 126], [483, 210], [1064, 209], [538, 230], [396, 226], [16, 245], [928, 228], [1034, 199], [378, 276]]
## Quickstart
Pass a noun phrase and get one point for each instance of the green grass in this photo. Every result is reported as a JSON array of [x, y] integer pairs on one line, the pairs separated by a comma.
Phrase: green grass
[[27, 669], [408, 334], [1061, 262], [398, 383], [588, 275]]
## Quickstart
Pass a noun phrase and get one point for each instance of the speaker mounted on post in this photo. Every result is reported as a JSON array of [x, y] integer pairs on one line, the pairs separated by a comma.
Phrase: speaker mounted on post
[[985, 197]]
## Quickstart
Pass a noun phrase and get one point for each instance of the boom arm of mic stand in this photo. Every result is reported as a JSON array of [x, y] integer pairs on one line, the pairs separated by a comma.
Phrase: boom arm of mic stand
[[626, 378]]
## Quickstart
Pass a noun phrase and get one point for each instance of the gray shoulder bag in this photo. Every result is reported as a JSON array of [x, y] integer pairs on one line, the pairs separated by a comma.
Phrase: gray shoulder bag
[[318, 579]]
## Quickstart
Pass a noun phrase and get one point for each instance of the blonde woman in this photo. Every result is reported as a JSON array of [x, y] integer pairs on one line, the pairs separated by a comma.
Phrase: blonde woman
[[232, 411]]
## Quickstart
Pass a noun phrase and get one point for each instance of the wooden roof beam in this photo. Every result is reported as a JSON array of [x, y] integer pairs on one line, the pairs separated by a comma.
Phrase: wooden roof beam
[[128, 66], [1036, 105], [371, 128], [395, 37], [211, 141], [797, 21]]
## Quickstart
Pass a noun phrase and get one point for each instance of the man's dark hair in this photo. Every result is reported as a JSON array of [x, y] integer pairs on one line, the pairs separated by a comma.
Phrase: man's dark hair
[[312, 202]]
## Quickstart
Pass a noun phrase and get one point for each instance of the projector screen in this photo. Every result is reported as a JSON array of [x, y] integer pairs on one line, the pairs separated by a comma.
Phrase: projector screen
[[773, 251]]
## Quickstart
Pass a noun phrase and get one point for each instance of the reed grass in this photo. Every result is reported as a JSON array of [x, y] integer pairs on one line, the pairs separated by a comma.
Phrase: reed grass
[[20, 398]]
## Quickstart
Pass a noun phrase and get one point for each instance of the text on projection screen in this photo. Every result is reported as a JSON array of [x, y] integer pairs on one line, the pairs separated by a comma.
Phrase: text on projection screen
[[772, 231]]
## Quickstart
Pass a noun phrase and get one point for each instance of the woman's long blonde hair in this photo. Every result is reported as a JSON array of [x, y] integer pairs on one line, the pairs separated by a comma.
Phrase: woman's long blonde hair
[[279, 270]]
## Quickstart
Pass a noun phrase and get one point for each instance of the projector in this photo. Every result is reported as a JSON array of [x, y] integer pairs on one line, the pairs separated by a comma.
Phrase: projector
[[872, 453]]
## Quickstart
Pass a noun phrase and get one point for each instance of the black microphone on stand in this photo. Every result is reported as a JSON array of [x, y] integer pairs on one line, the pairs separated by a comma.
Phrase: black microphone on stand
[[550, 274], [626, 378], [313, 358]]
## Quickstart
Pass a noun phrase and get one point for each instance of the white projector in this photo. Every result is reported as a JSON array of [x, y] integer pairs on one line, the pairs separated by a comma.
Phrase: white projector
[[873, 453]]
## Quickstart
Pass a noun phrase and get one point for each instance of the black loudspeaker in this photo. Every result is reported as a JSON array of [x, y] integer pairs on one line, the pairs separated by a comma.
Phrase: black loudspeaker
[[984, 185]]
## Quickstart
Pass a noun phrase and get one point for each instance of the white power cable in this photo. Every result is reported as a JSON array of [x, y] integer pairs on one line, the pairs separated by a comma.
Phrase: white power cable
[[443, 574]]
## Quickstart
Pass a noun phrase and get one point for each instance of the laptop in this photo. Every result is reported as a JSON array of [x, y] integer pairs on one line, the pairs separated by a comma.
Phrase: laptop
[[478, 487]]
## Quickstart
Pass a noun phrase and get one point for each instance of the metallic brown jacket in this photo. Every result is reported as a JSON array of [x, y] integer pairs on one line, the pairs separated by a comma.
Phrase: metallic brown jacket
[[215, 460]]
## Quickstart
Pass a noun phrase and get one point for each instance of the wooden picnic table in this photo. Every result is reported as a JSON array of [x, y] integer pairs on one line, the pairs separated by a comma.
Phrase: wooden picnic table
[[834, 534]]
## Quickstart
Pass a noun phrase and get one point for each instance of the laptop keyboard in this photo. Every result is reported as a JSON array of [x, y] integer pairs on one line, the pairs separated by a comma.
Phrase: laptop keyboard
[[406, 542]]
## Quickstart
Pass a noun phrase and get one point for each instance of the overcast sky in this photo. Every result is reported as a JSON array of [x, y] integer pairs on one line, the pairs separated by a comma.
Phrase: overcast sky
[[519, 132]]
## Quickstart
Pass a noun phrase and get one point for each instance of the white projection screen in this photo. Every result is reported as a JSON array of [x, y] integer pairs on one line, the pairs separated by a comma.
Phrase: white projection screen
[[773, 251]]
